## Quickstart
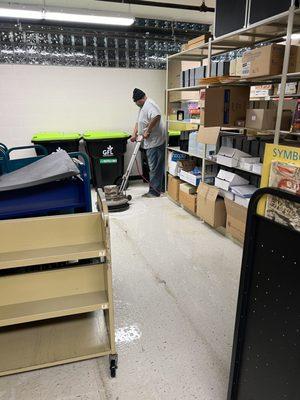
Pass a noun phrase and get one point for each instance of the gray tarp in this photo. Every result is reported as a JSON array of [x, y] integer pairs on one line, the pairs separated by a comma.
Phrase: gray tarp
[[58, 165]]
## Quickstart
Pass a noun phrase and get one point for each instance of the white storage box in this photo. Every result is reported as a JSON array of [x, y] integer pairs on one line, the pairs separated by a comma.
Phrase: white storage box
[[173, 168], [230, 157], [190, 178], [225, 180], [226, 194], [245, 191], [257, 168], [242, 201]]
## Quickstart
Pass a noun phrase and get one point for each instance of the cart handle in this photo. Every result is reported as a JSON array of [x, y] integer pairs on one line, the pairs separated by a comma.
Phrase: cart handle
[[3, 147], [36, 146], [86, 161]]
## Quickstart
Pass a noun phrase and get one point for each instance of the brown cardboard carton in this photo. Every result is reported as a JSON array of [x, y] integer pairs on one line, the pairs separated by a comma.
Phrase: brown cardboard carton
[[261, 61], [210, 207], [173, 187], [174, 71], [236, 220], [182, 96], [186, 165], [188, 200], [198, 40], [239, 66], [225, 105], [294, 62], [187, 188], [208, 135], [261, 119]]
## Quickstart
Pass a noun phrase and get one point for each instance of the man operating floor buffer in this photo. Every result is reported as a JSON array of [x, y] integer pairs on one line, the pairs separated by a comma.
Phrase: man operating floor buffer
[[115, 195]]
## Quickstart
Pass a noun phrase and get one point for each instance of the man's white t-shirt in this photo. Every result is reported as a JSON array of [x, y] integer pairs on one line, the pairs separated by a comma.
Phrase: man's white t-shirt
[[157, 137]]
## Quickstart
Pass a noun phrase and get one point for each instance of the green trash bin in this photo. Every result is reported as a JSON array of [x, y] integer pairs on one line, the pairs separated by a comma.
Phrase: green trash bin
[[174, 137], [55, 140], [106, 151]]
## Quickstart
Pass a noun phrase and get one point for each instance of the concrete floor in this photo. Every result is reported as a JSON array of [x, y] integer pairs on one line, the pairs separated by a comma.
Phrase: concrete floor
[[175, 289]]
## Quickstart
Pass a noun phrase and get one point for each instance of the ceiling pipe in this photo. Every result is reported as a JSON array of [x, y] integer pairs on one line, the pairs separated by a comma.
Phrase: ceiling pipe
[[202, 8]]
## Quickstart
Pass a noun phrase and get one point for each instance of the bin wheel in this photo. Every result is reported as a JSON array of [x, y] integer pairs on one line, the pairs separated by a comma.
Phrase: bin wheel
[[113, 361], [129, 197]]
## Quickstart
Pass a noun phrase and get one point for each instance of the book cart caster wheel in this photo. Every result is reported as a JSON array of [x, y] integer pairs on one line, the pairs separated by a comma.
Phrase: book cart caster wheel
[[113, 365]]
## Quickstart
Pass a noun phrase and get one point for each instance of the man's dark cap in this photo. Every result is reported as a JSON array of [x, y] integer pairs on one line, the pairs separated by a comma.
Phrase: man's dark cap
[[138, 94]]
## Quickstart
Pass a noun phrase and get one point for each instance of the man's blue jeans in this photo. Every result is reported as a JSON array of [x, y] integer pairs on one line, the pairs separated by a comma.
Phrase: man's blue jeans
[[156, 161]]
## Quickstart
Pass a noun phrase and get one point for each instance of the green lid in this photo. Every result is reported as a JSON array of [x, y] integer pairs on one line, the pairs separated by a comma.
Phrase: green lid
[[174, 133], [98, 135], [55, 136]]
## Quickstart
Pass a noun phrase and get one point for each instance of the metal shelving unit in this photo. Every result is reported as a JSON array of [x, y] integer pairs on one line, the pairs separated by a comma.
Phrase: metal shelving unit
[[274, 29], [208, 160]]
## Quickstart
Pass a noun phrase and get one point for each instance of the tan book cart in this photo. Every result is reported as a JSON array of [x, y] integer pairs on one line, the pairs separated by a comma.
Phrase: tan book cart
[[56, 303]]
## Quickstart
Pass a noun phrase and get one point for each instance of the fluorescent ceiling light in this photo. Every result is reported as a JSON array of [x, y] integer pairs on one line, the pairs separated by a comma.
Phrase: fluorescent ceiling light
[[21, 13], [66, 16], [88, 18]]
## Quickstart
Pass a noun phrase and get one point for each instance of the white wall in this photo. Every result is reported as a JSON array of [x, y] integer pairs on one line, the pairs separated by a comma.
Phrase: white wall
[[49, 98]]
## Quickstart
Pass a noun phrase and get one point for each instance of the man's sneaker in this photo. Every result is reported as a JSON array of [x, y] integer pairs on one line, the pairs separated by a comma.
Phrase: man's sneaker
[[150, 195]]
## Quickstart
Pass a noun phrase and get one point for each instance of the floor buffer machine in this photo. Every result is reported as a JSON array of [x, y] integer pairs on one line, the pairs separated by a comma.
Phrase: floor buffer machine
[[115, 195]]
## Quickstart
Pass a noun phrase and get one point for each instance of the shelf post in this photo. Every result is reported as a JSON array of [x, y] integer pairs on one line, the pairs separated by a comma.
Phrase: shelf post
[[284, 72], [209, 58], [167, 123]]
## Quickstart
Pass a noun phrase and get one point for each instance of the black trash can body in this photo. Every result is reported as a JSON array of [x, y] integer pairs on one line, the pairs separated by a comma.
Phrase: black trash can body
[[53, 141], [106, 151]]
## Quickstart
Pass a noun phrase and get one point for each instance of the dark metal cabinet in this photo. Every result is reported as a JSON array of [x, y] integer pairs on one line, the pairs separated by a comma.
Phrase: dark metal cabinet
[[262, 9], [230, 16]]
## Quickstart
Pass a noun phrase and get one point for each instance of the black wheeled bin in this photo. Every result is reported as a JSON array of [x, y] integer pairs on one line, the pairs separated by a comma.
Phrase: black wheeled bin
[[54, 140], [106, 151]]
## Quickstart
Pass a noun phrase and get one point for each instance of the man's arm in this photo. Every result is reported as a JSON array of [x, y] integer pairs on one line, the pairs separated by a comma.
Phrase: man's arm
[[135, 133], [155, 121]]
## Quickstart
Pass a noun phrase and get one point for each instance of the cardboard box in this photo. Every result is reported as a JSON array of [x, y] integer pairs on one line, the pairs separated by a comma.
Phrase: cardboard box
[[230, 157], [190, 178], [175, 97], [189, 201], [200, 73], [226, 194], [187, 188], [214, 69], [242, 201], [257, 168], [232, 68], [290, 88], [198, 40], [261, 119], [264, 60], [236, 220], [239, 66], [173, 168], [261, 91], [210, 207], [223, 68], [225, 180], [294, 63], [173, 187], [186, 165], [175, 69], [225, 105], [286, 120]]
